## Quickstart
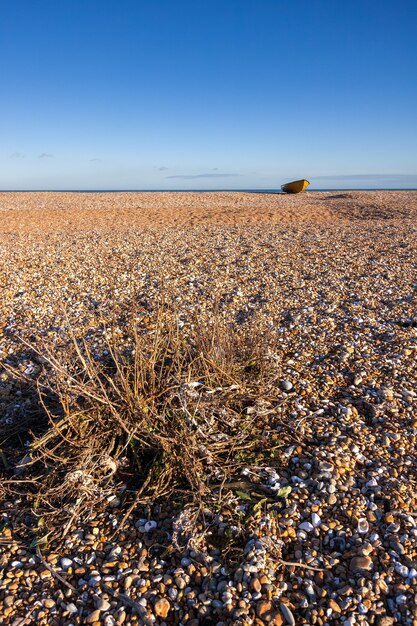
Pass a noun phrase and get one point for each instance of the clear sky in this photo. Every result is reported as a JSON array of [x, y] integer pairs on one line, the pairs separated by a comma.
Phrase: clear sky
[[207, 94]]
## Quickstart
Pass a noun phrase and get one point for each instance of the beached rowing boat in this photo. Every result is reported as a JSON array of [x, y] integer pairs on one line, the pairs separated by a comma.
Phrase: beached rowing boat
[[295, 186]]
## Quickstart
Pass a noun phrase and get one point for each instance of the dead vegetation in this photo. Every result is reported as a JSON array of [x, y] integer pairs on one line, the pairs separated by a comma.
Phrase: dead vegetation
[[157, 411]]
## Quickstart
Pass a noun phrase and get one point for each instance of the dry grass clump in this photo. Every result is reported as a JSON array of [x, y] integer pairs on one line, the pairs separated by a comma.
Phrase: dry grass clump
[[157, 411]]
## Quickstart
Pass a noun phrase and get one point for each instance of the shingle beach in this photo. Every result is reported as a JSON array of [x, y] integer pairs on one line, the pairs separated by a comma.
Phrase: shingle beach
[[334, 276]]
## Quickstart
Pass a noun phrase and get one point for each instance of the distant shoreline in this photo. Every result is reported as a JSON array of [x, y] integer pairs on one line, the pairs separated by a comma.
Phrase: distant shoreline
[[344, 189]]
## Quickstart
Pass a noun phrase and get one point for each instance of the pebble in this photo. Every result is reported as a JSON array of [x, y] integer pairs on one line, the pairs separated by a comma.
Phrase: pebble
[[315, 520], [162, 607], [287, 614], [94, 616], [363, 526], [102, 604], [361, 562], [48, 603]]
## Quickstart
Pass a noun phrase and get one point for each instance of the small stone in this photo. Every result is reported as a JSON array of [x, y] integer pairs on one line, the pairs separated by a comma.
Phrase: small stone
[[363, 526], [383, 587], [48, 603], [402, 570], [128, 582], [361, 562], [315, 520], [306, 526], [401, 599], [334, 606], [256, 585], [66, 563], [94, 616], [286, 612], [264, 610], [162, 607], [286, 385], [102, 604], [277, 619], [180, 582]]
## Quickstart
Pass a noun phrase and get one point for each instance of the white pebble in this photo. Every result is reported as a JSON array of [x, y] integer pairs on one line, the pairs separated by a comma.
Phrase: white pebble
[[315, 520], [306, 526], [150, 525], [65, 563], [173, 593], [363, 526], [310, 591], [402, 570], [401, 599]]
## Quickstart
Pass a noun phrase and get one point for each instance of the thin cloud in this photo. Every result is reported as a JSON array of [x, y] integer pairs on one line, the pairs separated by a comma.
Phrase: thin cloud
[[194, 176], [163, 169], [362, 176], [17, 155], [45, 155]]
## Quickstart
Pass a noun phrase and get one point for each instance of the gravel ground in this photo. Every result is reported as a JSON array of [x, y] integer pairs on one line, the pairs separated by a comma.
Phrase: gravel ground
[[339, 291]]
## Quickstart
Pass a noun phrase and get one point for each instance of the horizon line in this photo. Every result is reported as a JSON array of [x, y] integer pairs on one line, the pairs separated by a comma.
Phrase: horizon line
[[200, 190]]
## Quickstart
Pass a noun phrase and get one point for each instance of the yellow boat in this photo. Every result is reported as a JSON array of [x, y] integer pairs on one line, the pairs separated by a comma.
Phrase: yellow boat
[[295, 186]]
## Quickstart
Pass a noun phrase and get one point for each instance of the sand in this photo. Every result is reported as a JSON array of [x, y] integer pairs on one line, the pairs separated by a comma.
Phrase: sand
[[41, 212]]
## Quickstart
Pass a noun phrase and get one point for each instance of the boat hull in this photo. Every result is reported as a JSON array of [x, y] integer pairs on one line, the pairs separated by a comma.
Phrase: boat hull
[[295, 186]]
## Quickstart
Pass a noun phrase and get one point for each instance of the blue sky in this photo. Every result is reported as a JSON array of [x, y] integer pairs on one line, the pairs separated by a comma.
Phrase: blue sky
[[231, 94]]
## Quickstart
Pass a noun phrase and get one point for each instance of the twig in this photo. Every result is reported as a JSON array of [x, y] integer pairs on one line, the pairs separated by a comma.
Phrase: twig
[[294, 564], [54, 572]]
